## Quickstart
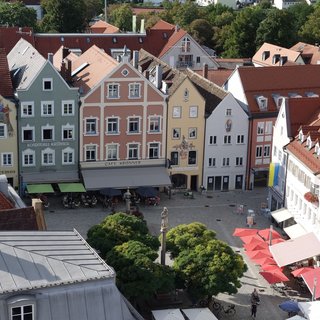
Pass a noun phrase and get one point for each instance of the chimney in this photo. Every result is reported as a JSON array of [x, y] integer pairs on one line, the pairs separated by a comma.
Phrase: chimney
[[63, 70], [65, 52], [4, 185], [38, 209], [205, 71], [158, 76], [142, 30], [135, 60], [68, 71], [134, 23], [50, 57]]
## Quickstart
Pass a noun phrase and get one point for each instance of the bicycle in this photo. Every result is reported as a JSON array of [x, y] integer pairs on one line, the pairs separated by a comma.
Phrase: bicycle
[[229, 309]]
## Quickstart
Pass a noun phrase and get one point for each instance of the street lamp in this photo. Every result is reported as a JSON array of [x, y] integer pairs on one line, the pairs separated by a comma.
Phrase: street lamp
[[163, 230], [127, 198]]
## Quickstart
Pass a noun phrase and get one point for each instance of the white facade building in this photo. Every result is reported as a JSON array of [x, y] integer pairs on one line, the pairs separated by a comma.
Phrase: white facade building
[[226, 146]]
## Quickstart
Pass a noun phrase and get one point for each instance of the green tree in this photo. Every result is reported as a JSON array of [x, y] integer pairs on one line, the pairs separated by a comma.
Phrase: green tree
[[214, 11], [239, 41], [63, 15], [201, 31], [117, 229], [310, 31], [277, 28], [121, 16], [186, 13], [17, 14], [138, 277], [209, 266], [93, 9], [186, 236]]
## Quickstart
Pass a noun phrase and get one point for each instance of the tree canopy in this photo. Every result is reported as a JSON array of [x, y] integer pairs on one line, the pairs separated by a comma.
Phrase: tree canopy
[[17, 14], [121, 16], [209, 266]]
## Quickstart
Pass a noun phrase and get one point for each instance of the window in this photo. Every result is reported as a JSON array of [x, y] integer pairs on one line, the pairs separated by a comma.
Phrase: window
[[47, 157], [154, 150], [192, 133], [227, 139], [213, 140], [113, 91], [275, 151], [185, 45], [47, 84], [258, 151], [133, 125], [7, 159], [133, 151], [91, 126], [47, 133], [134, 90], [22, 312], [27, 134], [239, 161], [28, 158], [68, 108], [91, 152], [198, 60], [154, 124], [68, 156], [27, 109], [228, 112], [212, 162], [268, 127], [67, 132], [174, 160], [192, 157], [260, 128], [113, 125], [176, 133], [176, 112], [225, 162], [112, 152], [47, 109], [266, 151], [186, 95], [193, 112], [240, 138], [3, 131]]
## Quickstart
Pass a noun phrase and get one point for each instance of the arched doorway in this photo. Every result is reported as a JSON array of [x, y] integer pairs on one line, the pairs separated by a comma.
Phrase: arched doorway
[[180, 181]]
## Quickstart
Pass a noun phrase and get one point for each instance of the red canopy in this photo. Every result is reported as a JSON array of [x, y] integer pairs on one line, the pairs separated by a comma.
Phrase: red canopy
[[258, 254], [274, 276], [267, 260], [313, 285], [277, 240], [265, 234], [300, 271], [256, 246], [251, 239], [244, 232], [271, 267]]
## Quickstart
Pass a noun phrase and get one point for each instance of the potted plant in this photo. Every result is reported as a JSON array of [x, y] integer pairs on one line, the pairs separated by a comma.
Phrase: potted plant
[[311, 197]]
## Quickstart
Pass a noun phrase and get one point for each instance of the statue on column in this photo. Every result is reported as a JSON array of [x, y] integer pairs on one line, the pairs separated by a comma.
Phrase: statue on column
[[164, 219]]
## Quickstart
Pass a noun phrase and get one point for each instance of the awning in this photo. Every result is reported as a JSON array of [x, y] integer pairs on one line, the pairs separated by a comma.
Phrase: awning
[[281, 215], [147, 192], [167, 314], [40, 188], [295, 231], [310, 309], [295, 250], [50, 177], [199, 314], [95, 179], [312, 280], [71, 187]]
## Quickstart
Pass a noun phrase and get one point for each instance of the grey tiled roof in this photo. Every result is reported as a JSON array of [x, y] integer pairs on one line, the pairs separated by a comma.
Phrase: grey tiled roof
[[33, 259], [25, 62]]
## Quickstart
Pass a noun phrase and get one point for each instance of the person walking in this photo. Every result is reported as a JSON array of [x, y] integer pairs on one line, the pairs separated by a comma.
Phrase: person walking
[[255, 300]]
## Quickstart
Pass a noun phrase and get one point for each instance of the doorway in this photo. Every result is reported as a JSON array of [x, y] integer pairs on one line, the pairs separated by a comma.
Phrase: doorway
[[179, 181], [225, 185], [194, 183], [217, 183], [239, 181], [210, 182]]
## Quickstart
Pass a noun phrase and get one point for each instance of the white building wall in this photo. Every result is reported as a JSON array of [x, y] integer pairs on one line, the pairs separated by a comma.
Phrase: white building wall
[[304, 212], [228, 3], [216, 126]]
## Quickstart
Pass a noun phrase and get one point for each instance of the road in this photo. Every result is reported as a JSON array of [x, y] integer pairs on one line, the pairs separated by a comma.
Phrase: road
[[217, 211]]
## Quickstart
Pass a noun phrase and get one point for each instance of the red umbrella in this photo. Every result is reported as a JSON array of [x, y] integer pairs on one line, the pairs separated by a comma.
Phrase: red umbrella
[[244, 232], [271, 267], [274, 276], [263, 261], [265, 234], [275, 241], [300, 271], [251, 239], [258, 254], [256, 246]]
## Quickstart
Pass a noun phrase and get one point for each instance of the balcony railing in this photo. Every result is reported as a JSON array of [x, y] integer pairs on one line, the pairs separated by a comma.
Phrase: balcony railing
[[184, 64]]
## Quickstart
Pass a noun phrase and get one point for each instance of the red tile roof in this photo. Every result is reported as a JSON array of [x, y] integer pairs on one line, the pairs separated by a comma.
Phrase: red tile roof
[[177, 36], [103, 27], [6, 88], [310, 53], [300, 111], [163, 25], [217, 76], [5, 203], [283, 81]]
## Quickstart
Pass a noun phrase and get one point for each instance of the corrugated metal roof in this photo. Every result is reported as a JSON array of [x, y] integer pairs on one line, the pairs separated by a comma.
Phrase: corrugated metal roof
[[30, 259], [24, 64]]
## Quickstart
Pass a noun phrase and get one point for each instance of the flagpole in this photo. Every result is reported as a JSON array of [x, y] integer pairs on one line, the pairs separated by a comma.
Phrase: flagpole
[[314, 289]]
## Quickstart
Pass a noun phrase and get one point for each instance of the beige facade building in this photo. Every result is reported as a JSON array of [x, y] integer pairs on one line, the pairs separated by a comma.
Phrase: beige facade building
[[8, 141]]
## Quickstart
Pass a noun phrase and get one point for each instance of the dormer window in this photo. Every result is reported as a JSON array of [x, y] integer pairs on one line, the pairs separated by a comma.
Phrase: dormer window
[[275, 58], [21, 307], [277, 100], [294, 95], [317, 149], [301, 138], [312, 94], [283, 60], [265, 55], [262, 102], [309, 143]]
